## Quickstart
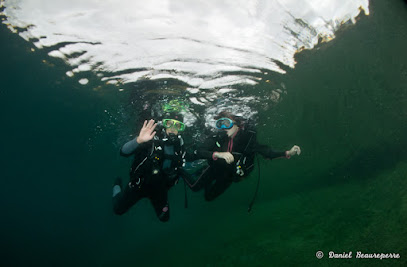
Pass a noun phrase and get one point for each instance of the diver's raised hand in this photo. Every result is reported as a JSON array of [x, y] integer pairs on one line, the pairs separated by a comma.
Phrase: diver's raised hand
[[147, 132], [225, 155], [294, 150]]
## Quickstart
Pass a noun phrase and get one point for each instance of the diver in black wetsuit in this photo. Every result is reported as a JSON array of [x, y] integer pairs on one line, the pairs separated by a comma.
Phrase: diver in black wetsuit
[[158, 159], [230, 156]]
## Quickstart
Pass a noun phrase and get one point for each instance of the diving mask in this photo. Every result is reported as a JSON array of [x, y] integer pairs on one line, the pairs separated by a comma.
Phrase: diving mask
[[170, 123], [224, 123]]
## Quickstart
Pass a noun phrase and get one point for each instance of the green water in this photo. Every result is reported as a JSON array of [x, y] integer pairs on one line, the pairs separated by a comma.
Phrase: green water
[[346, 106]]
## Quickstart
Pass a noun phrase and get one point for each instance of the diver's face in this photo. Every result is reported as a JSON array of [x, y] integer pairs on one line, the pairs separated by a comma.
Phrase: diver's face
[[171, 130], [232, 130], [173, 126]]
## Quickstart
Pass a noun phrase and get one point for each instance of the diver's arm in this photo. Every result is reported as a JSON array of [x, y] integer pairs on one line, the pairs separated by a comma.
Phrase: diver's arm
[[129, 147], [207, 149], [204, 154], [269, 153], [212, 150], [266, 151], [146, 134]]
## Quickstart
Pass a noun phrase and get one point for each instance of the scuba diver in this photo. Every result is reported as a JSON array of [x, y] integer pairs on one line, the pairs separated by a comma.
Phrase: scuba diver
[[230, 156], [158, 158]]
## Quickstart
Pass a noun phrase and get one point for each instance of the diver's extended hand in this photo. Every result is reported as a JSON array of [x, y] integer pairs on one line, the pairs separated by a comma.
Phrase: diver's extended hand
[[147, 132], [294, 150], [225, 155]]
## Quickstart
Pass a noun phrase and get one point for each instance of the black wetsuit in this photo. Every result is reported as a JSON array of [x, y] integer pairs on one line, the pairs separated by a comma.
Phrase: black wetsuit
[[219, 175], [154, 171]]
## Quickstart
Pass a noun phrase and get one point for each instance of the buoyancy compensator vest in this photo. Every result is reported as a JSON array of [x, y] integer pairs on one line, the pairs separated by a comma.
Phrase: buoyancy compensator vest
[[161, 163]]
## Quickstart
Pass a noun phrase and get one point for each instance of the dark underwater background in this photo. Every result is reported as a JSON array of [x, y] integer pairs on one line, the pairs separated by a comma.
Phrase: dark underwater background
[[346, 106]]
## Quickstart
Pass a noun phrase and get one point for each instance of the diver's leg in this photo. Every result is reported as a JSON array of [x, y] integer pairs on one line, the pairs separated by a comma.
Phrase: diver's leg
[[216, 188], [126, 198], [159, 200]]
